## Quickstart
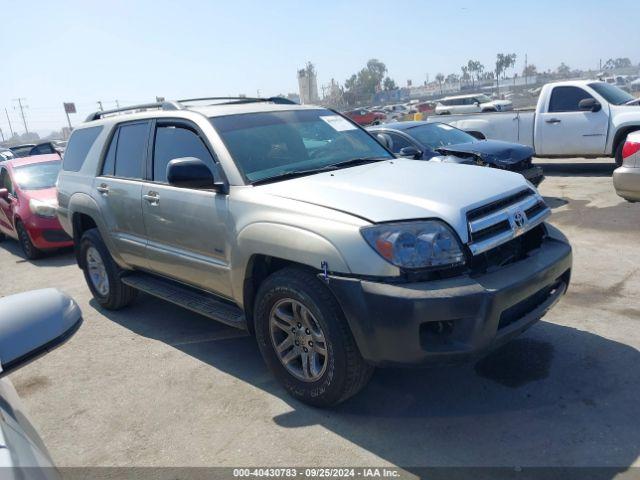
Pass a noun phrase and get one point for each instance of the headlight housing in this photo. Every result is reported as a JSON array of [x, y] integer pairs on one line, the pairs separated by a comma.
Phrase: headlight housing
[[43, 209], [414, 245]]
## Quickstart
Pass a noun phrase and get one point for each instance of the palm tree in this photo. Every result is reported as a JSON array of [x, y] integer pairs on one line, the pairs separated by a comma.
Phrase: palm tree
[[440, 79]]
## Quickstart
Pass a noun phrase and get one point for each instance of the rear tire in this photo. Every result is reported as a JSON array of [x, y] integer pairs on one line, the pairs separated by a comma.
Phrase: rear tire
[[30, 251], [102, 274], [309, 312]]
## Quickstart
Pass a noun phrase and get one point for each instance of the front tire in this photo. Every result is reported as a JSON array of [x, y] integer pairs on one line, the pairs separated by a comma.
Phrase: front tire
[[305, 340], [102, 274], [30, 251]]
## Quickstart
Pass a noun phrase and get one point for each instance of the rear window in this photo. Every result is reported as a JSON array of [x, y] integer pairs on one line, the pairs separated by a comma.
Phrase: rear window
[[79, 145]]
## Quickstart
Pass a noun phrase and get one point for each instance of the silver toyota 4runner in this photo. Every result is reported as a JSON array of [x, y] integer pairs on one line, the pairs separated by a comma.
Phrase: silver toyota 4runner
[[295, 224]]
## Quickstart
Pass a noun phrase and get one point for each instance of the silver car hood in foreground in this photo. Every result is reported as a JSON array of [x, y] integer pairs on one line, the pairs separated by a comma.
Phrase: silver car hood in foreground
[[403, 189]]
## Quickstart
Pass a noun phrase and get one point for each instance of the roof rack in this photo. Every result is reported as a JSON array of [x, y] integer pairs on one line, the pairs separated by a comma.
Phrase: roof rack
[[177, 105], [234, 100], [140, 107]]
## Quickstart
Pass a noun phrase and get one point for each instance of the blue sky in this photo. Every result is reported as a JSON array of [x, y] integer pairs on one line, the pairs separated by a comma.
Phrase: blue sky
[[133, 50]]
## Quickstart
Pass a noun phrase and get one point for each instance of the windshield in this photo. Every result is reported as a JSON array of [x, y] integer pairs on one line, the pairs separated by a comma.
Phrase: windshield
[[270, 144], [37, 176], [483, 98], [436, 135], [611, 93]]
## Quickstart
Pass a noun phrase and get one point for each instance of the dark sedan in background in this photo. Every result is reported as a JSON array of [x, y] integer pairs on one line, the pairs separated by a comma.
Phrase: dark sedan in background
[[442, 142]]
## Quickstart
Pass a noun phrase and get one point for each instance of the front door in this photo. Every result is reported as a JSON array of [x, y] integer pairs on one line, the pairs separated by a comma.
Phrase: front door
[[566, 130], [6, 205], [118, 190], [186, 228]]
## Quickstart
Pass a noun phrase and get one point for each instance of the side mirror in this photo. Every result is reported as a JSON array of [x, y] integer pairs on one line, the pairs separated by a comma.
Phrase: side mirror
[[589, 105], [411, 152], [476, 103], [34, 323], [4, 193], [189, 172], [384, 140]]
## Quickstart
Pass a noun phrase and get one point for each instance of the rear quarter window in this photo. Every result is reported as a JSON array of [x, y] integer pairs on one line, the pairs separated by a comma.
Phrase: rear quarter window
[[79, 145]]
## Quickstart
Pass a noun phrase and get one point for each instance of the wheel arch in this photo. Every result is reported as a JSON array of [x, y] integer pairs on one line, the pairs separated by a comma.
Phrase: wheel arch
[[621, 135], [264, 248]]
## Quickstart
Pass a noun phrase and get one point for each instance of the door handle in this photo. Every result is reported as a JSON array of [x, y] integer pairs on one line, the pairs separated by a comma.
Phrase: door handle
[[152, 197], [553, 120], [103, 188]]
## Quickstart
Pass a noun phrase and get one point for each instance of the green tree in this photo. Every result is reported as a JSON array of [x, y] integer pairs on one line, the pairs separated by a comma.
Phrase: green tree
[[475, 69], [440, 79], [563, 70], [389, 84], [364, 84]]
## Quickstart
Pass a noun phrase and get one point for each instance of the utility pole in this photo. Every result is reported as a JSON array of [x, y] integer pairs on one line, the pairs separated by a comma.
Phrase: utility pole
[[22, 107], [117, 104], [2, 134], [258, 92], [9, 120], [526, 73], [99, 102]]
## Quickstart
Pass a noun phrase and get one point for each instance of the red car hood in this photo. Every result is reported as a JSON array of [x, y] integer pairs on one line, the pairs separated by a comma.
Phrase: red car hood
[[44, 194]]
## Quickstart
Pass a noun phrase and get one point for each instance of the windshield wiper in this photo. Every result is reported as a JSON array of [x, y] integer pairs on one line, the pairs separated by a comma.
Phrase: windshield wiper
[[633, 101], [357, 161], [327, 168]]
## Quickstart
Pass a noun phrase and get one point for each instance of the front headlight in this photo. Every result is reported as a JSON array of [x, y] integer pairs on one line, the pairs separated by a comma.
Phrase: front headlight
[[415, 244], [43, 209]]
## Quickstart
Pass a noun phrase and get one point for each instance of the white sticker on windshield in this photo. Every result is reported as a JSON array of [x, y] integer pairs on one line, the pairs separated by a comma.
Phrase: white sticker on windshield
[[338, 123], [444, 126]]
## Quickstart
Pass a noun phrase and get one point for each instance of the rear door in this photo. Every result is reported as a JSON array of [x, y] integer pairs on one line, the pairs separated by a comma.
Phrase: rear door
[[564, 129], [119, 189], [186, 228]]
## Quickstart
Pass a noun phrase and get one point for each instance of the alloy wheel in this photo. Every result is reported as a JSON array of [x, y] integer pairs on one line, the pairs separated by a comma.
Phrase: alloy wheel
[[298, 340], [97, 271]]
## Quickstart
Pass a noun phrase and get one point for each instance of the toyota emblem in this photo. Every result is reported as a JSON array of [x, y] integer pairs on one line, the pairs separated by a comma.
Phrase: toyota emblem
[[519, 219]]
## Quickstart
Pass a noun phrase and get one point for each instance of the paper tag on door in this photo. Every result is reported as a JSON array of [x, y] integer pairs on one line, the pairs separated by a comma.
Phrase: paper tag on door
[[338, 123]]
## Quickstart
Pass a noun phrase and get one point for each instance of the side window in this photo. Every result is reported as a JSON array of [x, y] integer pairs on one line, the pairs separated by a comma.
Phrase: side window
[[566, 99], [78, 147], [176, 142], [5, 180], [398, 142], [131, 150], [109, 167]]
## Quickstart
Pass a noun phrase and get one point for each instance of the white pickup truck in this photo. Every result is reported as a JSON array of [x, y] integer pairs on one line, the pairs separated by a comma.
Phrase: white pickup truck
[[581, 118]]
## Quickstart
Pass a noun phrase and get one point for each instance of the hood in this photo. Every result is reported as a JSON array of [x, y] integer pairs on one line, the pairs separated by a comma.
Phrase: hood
[[493, 152], [403, 189], [44, 194]]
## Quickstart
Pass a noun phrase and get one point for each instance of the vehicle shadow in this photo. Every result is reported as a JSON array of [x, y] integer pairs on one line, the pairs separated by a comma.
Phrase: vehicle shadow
[[578, 169], [556, 396], [54, 258]]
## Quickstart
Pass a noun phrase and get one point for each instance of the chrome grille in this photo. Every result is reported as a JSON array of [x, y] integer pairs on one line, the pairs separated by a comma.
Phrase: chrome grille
[[498, 222]]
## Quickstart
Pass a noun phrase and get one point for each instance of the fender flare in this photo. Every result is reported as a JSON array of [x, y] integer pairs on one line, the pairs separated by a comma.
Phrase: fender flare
[[284, 242]]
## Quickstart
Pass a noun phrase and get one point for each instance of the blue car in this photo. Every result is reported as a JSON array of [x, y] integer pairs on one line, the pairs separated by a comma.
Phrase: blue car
[[442, 142]]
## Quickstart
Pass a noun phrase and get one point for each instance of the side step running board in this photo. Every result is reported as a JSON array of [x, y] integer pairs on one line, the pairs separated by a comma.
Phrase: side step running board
[[190, 298]]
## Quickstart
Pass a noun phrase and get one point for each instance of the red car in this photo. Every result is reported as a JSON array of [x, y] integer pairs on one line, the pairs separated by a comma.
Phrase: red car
[[365, 117], [28, 204]]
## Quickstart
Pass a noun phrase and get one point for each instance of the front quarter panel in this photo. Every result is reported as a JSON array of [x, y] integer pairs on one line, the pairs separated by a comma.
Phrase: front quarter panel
[[298, 232]]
